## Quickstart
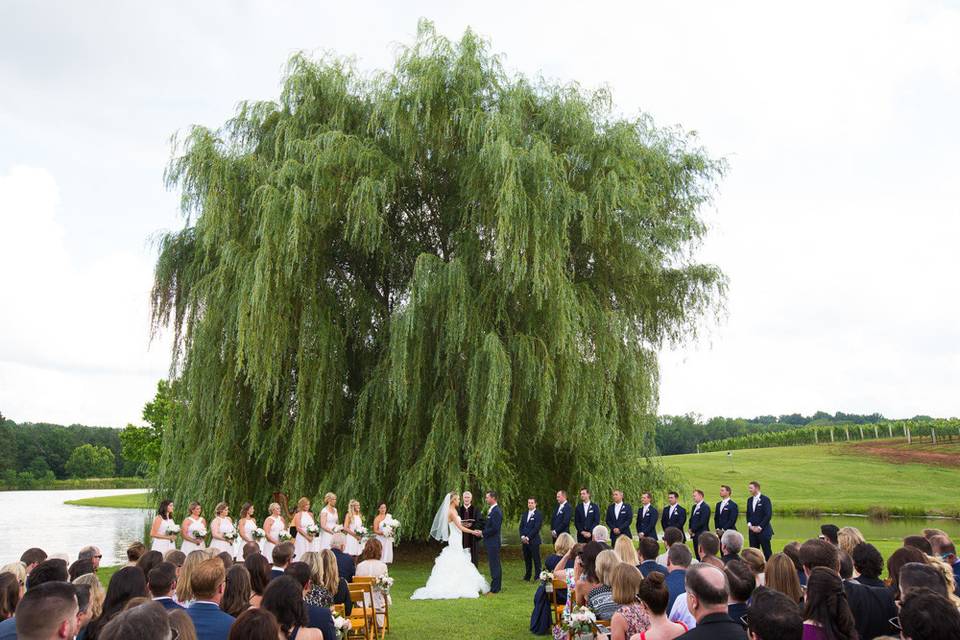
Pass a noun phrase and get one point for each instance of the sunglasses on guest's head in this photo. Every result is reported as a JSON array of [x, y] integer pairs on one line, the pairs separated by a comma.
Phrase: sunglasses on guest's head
[[745, 619], [895, 622]]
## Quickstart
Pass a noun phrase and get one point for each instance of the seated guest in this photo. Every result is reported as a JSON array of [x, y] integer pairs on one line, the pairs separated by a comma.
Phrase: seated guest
[[772, 616], [623, 547], [895, 562], [592, 590], [828, 533], [282, 555], [47, 610], [826, 614], [541, 619], [678, 562], [601, 534], [148, 621], [671, 536], [709, 548], [707, 595], [780, 575], [149, 560], [236, 590], [84, 615], [346, 567], [125, 585], [259, 570], [52, 570], [868, 563], [334, 583], [630, 618], [731, 543], [32, 557], [756, 561], [80, 568], [918, 575], [10, 593], [161, 583], [741, 582], [919, 542], [929, 616], [872, 607], [319, 595], [134, 552], [207, 584], [944, 548], [317, 617], [284, 599], [561, 546], [249, 549], [649, 548], [96, 594], [175, 557], [848, 538], [254, 624], [654, 596], [181, 625], [183, 593], [371, 566], [792, 550], [227, 559]]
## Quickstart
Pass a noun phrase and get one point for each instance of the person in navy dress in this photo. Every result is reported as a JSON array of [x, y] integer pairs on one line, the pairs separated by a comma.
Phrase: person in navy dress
[[647, 517], [619, 517], [560, 522], [586, 517], [674, 515], [759, 512], [530, 523], [726, 512], [699, 520]]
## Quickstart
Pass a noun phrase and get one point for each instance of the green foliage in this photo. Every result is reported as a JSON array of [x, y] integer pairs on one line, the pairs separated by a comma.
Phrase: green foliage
[[88, 461], [442, 276], [142, 445], [35, 448]]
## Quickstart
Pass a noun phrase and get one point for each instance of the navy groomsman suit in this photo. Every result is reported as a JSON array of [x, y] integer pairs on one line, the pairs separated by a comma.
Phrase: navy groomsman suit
[[491, 542], [647, 521], [674, 516], [699, 522], [560, 522], [530, 523], [621, 521], [586, 517], [725, 516], [759, 512]]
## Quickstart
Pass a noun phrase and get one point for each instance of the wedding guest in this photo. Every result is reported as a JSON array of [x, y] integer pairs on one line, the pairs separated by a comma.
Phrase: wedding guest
[[134, 552], [221, 529], [929, 616], [149, 560], [125, 584], [678, 563], [560, 521], [386, 541], [207, 583], [586, 517], [303, 520], [919, 542], [709, 547], [601, 534], [868, 564], [755, 560], [346, 566], [84, 614], [673, 516], [246, 525], [916, 575], [282, 555], [826, 614], [707, 595], [646, 517], [630, 618], [792, 551], [741, 583], [530, 524], [259, 569], [79, 568], [97, 594], [671, 536], [328, 521], [371, 566], [624, 549], [272, 527], [542, 616], [654, 596], [772, 616], [872, 608], [563, 544], [50, 570], [249, 549], [284, 600], [619, 516], [334, 583], [46, 611], [161, 582], [828, 533], [848, 538], [352, 525], [649, 548], [726, 512], [319, 595], [183, 590], [19, 572], [780, 574], [237, 591], [227, 559], [148, 621], [181, 625], [191, 528], [176, 558], [699, 520], [895, 562], [947, 551], [93, 554], [759, 513], [731, 543], [590, 589], [10, 592], [32, 557], [161, 538], [255, 624]]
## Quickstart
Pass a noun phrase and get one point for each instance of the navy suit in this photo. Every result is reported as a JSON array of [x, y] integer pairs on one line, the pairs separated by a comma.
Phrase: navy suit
[[167, 603], [759, 512], [678, 519], [647, 525], [725, 518], [699, 522], [210, 621], [321, 618], [275, 573], [560, 522], [585, 522], [530, 528], [622, 523], [649, 566], [346, 567], [676, 585], [491, 542]]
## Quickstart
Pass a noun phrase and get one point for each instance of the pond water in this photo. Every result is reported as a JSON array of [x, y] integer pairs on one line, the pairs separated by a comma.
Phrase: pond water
[[41, 519]]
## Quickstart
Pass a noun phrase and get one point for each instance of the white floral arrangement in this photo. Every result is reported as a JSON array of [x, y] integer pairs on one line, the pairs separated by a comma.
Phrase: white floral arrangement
[[546, 579], [198, 532], [383, 584], [360, 531], [284, 536], [313, 529], [337, 528], [342, 625], [171, 530], [389, 526], [579, 620], [259, 534], [230, 536]]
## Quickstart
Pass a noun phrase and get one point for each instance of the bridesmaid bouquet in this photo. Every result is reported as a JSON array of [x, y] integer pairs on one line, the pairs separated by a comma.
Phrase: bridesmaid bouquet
[[337, 528], [342, 625], [313, 529], [284, 536], [360, 531], [383, 584], [259, 534], [199, 532], [389, 526], [230, 536], [171, 530]]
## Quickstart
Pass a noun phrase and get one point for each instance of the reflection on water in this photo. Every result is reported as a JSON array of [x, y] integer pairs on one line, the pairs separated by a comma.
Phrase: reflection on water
[[895, 529], [40, 519]]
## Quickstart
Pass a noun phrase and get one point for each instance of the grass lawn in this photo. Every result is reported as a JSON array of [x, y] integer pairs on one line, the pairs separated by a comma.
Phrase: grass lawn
[[125, 501], [824, 478]]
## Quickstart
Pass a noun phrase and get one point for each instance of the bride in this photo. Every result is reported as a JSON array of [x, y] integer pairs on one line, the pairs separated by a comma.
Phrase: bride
[[453, 575]]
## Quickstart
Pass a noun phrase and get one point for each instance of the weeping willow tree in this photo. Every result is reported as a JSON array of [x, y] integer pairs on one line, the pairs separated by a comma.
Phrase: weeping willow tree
[[440, 277]]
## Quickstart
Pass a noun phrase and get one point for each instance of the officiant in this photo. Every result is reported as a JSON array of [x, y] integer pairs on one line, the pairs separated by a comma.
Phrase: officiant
[[469, 517]]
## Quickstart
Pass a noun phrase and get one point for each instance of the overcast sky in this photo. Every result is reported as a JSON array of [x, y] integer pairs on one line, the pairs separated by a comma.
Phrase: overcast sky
[[837, 224]]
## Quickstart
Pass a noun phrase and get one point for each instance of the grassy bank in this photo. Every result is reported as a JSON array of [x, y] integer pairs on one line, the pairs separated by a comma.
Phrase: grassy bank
[[126, 501], [825, 479], [80, 483]]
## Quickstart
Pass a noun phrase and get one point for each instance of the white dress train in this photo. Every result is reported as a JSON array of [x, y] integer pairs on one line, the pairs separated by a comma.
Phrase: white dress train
[[453, 575]]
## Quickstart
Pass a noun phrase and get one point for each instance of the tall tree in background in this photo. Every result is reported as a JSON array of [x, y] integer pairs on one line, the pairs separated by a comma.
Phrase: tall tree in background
[[142, 445], [443, 276]]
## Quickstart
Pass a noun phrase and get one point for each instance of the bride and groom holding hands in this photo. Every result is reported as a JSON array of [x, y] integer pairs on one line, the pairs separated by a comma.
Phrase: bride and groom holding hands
[[454, 574]]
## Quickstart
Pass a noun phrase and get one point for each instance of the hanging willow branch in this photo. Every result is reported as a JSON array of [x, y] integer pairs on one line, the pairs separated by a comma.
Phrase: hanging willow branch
[[438, 277]]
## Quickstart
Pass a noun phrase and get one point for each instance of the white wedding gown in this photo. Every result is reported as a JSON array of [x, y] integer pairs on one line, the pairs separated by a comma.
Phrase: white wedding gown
[[453, 575]]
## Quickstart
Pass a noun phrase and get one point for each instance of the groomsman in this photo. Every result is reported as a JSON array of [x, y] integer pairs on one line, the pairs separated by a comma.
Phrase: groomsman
[[586, 517], [726, 514], [530, 523], [560, 522], [619, 517], [647, 517], [699, 520], [759, 512], [673, 514]]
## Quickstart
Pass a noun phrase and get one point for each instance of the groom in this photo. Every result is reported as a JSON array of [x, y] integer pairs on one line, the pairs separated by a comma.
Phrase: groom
[[491, 540]]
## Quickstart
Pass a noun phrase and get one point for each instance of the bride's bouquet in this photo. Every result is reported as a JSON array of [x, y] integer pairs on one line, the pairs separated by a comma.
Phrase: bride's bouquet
[[171, 530], [284, 536], [389, 526], [259, 534], [579, 620], [342, 625], [383, 584], [231, 535], [313, 529]]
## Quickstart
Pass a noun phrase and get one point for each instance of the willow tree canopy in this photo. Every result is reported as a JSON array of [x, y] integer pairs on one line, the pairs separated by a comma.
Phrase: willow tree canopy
[[445, 276]]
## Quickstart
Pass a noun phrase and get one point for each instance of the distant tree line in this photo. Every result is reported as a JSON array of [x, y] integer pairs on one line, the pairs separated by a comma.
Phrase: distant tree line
[[682, 434]]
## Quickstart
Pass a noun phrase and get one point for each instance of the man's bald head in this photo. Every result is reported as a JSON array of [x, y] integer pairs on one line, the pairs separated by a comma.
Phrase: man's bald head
[[707, 590]]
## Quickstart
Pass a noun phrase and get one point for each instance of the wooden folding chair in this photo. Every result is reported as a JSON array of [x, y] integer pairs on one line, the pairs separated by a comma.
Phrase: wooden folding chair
[[558, 608], [362, 619]]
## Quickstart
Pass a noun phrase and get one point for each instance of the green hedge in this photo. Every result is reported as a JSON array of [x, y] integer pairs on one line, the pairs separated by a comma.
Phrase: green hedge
[[25, 482]]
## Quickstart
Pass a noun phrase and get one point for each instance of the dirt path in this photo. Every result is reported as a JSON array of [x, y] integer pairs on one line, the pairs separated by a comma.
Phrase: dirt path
[[900, 452]]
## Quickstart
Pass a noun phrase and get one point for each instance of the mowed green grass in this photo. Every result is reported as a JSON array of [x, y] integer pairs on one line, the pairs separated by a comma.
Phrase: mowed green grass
[[125, 501], [824, 478]]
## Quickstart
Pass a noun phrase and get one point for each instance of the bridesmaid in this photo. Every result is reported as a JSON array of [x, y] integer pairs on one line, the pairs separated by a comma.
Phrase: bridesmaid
[[190, 528], [351, 521], [272, 526], [163, 522], [221, 525], [386, 542], [246, 525], [302, 520], [328, 520]]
